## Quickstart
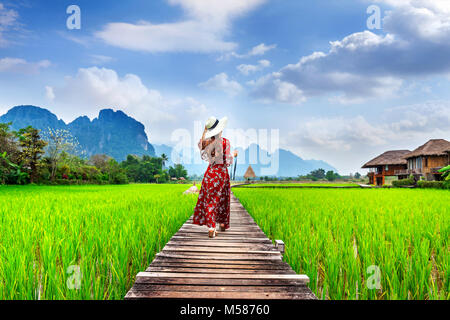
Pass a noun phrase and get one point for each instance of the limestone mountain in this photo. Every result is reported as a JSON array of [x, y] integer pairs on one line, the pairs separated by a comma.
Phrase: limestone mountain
[[281, 164], [112, 132]]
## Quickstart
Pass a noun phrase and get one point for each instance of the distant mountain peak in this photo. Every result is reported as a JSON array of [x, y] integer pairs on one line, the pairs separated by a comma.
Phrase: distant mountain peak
[[290, 164], [113, 132]]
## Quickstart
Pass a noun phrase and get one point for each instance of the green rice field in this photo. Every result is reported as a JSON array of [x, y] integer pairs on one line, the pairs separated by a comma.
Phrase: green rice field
[[51, 235], [89, 242], [360, 243]]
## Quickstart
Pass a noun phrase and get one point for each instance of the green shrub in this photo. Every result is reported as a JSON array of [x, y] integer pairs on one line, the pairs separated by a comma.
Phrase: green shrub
[[403, 182], [431, 184]]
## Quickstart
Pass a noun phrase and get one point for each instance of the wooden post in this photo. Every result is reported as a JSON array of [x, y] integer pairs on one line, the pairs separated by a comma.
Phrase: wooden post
[[279, 244]]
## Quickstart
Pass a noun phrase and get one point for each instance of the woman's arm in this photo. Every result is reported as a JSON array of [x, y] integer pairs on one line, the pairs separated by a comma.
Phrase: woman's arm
[[204, 143]]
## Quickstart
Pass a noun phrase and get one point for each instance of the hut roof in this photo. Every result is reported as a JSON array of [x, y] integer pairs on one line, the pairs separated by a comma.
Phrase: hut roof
[[434, 147], [249, 173], [393, 157]]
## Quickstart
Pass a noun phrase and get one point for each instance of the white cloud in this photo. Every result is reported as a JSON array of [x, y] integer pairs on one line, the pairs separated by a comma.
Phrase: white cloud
[[247, 69], [335, 138], [266, 89], [365, 65], [8, 19], [206, 25], [258, 50], [22, 66], [220, 82], [261, 49], [98, 59], [104, 88]]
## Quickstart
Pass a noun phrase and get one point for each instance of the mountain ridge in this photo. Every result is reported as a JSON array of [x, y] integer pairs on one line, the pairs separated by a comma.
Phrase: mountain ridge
[[289, 165], [113, 132], [116, 134]]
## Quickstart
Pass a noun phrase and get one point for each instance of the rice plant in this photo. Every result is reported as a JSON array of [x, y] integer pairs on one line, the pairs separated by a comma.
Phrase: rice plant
[[84, 242], [360, 243]]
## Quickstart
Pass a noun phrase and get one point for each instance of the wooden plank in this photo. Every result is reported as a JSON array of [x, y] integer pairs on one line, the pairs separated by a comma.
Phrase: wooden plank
[[232, 229], [227, 234], [272, 267], [218, 282], [217, 270], [299, 277], [218, 295], [164, 258], [221, 288], [227, 244], [221, 239], [233, 223], [246, 257], [199, 249]]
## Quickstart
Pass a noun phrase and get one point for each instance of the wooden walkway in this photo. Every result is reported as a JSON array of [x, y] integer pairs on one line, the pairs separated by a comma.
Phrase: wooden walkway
[[240, 263]]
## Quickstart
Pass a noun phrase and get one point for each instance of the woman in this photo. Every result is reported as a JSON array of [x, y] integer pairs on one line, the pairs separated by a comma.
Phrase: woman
[[213, 205]]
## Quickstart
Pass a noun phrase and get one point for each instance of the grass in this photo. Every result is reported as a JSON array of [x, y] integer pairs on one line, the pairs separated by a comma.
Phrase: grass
[[109, 232], [334, 236], [342, 238]]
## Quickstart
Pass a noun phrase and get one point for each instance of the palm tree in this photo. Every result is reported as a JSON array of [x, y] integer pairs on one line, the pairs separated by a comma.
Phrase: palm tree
[[164, 158]]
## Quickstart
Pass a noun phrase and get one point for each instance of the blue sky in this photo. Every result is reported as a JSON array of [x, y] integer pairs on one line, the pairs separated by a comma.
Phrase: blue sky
[[336, 90]]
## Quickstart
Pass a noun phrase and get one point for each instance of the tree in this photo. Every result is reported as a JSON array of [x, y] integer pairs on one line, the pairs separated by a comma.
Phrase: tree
[[100, 161], [357, 175], [59, 141], [330, 176], [10, 151], [446, 176], [32, 148], [8, 142], [317, 174], [16, 174], [117, 175], [164, 158], [178, 171]]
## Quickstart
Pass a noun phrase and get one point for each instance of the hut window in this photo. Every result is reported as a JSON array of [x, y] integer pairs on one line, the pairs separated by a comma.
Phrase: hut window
[[419, 163], [387, 168]]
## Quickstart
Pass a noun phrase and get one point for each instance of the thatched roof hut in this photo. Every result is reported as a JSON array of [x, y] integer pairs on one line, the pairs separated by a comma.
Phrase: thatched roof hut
[[391, 158], [250, 174], [434, 147]]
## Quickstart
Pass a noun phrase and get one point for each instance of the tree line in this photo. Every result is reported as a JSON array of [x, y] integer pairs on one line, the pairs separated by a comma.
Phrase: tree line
[[317, 175], [55, 157]]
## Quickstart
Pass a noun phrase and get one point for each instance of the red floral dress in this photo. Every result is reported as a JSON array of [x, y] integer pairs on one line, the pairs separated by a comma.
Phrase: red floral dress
[[213, 205]]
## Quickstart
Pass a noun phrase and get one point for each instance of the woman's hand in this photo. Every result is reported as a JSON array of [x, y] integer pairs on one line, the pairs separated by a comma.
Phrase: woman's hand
[[235, 153]]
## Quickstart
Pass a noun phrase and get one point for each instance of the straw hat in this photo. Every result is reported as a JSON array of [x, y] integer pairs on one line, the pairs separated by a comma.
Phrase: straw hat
[[215, 126]]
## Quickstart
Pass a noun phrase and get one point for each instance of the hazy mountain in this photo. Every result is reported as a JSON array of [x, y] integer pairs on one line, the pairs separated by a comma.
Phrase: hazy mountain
[[118, 135], [262, 162], [112, 133]]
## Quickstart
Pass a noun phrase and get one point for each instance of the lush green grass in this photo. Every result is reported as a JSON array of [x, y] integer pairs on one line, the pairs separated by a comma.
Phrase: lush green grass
[[335, 235], [110, 232]]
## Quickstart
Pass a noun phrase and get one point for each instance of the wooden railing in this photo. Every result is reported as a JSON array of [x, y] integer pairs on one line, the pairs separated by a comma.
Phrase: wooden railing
[[417, 171], [405, 172]]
